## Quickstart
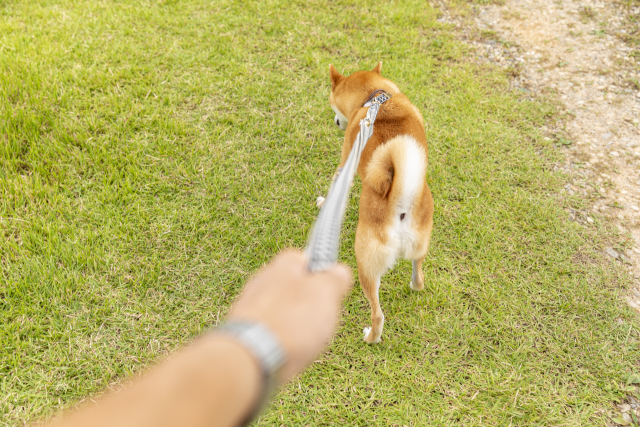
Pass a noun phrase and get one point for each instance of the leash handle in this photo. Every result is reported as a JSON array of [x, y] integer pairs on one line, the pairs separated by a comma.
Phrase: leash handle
[[324, 243]]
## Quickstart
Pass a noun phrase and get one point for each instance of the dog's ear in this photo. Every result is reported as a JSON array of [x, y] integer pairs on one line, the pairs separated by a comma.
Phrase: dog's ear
[[335, 76], [378, 68]]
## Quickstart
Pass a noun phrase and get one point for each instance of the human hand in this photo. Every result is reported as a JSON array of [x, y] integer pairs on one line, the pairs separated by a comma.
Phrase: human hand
[[299, 307]]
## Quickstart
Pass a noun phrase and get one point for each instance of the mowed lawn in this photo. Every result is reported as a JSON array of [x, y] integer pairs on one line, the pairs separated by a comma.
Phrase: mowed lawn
[[153, 155]]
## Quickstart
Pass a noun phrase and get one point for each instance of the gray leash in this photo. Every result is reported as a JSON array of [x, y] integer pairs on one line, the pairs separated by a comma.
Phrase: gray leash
[[322, 250]]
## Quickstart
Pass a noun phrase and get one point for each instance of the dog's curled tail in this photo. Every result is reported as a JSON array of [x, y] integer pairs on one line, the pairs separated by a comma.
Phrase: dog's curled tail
[[400, 165]]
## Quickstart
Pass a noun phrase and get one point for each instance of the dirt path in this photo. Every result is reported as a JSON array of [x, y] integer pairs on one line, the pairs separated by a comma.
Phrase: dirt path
[[576, 49]]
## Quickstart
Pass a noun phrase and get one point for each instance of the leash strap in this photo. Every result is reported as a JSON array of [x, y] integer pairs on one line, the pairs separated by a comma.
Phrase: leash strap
[[324, 244]]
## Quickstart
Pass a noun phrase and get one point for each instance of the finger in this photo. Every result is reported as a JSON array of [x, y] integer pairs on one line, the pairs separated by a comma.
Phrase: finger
[[292, 259], [339, 276], [287, 260]]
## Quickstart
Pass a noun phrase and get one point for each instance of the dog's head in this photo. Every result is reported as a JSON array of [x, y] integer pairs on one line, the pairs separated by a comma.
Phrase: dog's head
[[348, 94]]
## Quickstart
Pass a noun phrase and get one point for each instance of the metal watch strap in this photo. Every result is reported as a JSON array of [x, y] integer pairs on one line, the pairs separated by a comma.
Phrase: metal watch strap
[[266, 350]]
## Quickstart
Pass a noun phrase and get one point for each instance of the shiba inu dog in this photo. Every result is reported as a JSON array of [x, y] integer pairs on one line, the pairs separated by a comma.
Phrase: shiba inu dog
[[396, 206]]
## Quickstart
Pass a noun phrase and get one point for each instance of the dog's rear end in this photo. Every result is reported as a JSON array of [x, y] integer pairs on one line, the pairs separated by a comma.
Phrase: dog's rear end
[[396, 206], [396, 217]]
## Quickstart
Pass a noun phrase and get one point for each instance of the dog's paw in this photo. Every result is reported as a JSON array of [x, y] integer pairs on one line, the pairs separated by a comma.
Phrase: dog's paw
[[414, 287], [368, 338], [320, 201]]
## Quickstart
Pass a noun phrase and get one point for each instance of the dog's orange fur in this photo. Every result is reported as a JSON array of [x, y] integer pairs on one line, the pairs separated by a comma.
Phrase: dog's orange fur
[[382, 170]]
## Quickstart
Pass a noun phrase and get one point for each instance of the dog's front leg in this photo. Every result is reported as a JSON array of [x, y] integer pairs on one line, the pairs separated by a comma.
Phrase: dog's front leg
[[320, 200], [349, 138]]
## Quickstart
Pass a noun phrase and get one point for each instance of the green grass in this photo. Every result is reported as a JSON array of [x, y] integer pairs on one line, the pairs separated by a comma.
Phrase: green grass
[[154, 154]]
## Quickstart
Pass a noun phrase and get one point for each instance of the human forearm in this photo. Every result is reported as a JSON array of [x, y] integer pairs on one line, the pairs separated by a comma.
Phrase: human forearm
[[220, 379], [214, 382]]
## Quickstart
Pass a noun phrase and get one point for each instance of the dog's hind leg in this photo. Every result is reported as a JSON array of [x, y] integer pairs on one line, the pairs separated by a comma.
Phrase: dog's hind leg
[[417, 278], [370, 287]]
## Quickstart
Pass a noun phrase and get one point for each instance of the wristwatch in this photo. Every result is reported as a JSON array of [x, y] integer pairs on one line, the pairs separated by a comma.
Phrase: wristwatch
[[265, 348]]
